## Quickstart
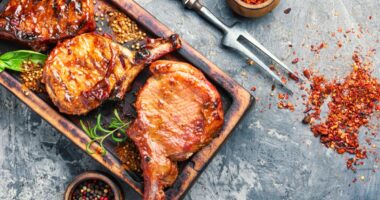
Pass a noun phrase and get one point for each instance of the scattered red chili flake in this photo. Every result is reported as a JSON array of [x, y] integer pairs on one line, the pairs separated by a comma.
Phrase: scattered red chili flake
[[340, 44], [349, 163], [255, 2], [307, 73], [253, 88], [295, 61], [287, 11], [290, 106], [285, 105], [283, 80], [318, 48], [352, 103], [293, 76], [368, 140]]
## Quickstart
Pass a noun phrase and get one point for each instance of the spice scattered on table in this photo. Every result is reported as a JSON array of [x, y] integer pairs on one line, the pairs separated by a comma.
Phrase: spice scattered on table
[[295, 61], [93, 190], [352, 103], [294, 77], [286, 105], [255, 2], [317, 48], [307, 73]]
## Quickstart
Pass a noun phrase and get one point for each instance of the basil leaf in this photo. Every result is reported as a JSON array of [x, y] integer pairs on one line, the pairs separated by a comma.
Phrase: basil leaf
[[13, 60], [2, 66], [23, 54]]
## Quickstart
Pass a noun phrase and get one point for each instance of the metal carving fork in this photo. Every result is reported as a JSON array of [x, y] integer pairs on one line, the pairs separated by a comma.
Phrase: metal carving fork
[[233, 37]]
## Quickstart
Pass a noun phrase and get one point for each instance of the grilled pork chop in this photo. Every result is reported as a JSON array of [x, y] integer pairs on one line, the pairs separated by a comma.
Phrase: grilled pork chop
[[86, 70], [38, 23], [179, 112]]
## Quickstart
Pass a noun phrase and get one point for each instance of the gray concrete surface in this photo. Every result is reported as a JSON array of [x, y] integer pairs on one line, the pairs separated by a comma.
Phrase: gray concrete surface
[[270, 155]]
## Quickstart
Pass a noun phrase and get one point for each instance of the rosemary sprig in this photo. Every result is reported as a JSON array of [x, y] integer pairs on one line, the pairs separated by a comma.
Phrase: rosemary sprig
[[117, 125]]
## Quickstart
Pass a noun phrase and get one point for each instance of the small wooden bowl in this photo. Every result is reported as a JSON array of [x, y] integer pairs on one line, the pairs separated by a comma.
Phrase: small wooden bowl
[[249, 10], [92, 176]]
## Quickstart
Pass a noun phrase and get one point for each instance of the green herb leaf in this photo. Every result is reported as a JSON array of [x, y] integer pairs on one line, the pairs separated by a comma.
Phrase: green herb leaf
[[13, 60], [84, 127], [117, 125], [117, 139], [88, 147], [2, 66]]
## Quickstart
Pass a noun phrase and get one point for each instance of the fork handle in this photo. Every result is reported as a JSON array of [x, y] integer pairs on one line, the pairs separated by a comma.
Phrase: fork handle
[[206, 13]]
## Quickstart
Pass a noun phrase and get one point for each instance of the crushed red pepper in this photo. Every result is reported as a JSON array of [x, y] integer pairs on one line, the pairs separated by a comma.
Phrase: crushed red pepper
[[295, 60], [317, 48], [255, 2], [352, 103], [294, 77], [286, 105], [307, 73]]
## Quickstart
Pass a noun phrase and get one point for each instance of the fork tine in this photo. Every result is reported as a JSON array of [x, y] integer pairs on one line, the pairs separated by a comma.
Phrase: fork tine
[[257, 44], [252, 56]]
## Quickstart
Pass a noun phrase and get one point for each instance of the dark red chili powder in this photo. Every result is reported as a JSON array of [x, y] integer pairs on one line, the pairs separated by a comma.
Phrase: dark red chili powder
[[352, 103], [255, 2]]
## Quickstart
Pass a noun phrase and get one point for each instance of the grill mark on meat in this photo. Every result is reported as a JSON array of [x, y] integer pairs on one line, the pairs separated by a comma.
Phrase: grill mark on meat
[[56, 9], [121, 58], [101, 90]]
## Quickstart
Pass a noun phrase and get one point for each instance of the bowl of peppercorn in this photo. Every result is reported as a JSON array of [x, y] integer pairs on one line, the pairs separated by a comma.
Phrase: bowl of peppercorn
[[93, 186], [252, 8]]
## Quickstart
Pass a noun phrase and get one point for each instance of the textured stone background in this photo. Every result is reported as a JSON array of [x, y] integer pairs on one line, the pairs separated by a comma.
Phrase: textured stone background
[[270, 155]]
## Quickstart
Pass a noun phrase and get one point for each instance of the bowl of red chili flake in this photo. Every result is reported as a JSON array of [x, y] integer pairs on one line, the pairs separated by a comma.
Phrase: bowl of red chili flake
[[253, 8], [93, 186]]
